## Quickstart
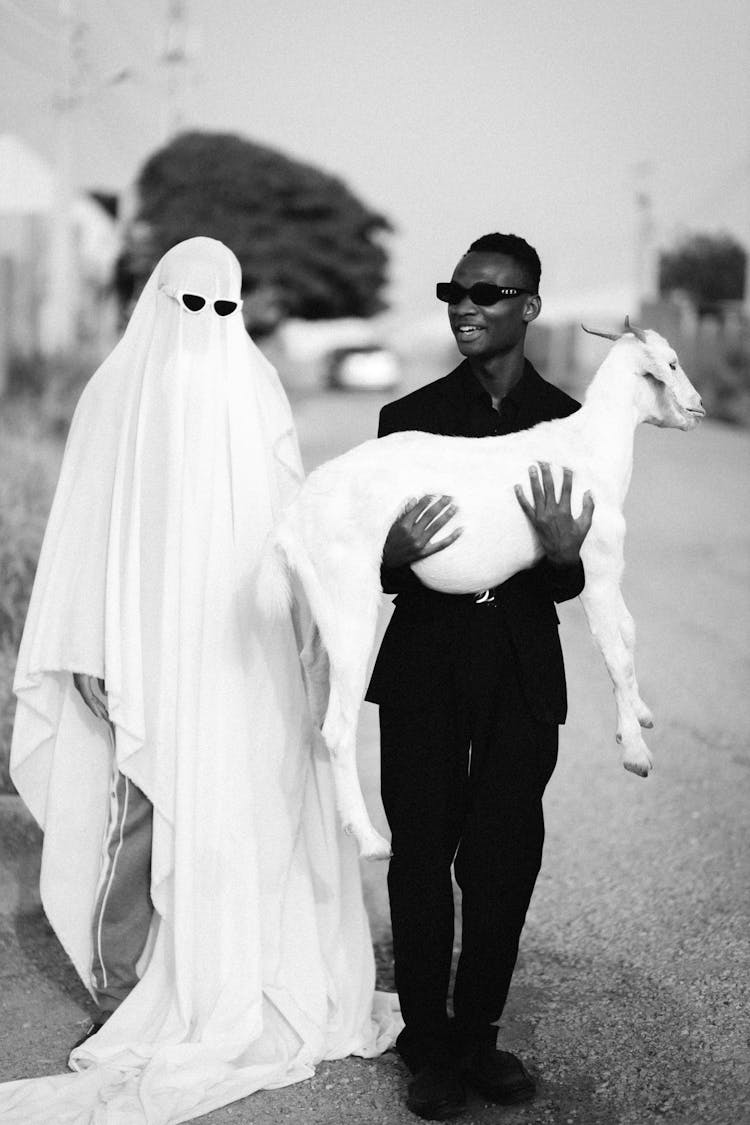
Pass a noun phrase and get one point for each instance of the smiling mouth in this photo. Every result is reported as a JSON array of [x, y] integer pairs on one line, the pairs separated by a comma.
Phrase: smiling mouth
[[468, 331]]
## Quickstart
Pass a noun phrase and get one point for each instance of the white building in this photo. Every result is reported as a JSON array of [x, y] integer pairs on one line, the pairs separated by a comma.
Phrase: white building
[[32, 308]]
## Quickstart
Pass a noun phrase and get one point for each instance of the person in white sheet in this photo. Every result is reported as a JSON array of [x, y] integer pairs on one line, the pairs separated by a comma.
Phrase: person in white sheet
[[193, 867]]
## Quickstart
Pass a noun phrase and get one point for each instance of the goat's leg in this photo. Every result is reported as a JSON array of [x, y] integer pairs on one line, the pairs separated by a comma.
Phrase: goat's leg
[[602, 602], [348, 658], [340, 737], [627, 632], [352, 809]]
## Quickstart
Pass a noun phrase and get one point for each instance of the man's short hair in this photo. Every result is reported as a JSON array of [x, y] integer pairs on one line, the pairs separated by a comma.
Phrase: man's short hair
[[513, 247]]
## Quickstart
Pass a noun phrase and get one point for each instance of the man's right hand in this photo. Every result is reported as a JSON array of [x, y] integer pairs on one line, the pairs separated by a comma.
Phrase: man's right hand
[[93, 694], [412, 536]]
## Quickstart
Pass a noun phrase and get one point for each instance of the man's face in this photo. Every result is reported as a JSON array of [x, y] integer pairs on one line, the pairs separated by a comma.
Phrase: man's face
[[484, 331]]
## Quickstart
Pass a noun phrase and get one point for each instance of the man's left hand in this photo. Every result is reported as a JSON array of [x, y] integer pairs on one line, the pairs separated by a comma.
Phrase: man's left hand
[[560, 533]]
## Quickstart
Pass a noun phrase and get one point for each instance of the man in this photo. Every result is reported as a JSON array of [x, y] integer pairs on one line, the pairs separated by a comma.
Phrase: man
[[471, 690]]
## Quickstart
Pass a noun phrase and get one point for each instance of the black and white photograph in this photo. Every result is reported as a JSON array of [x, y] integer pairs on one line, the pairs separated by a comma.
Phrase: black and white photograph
[[374, 562]]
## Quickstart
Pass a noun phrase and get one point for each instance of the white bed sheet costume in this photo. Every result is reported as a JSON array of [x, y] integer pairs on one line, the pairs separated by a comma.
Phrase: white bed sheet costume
[[181, 453]]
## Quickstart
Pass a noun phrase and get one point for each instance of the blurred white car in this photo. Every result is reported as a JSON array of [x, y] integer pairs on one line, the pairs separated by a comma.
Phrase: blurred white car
[[367, 367]]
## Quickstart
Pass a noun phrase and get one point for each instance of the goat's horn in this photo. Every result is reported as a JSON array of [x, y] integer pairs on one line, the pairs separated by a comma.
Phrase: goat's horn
[[605, 335], [637, 332]]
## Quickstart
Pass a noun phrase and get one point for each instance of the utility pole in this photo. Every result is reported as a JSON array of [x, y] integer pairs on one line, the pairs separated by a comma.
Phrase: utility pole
[[58, 321], [645, 265], [176, 62]]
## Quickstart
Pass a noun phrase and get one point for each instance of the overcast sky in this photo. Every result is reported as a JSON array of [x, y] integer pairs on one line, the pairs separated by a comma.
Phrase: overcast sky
[[453, 119]]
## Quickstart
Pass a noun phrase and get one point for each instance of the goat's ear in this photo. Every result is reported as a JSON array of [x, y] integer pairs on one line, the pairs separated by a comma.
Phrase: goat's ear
[[655, 373]]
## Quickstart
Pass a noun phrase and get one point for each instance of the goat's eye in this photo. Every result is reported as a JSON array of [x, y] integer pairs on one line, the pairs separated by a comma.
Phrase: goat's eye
[[673, 365]]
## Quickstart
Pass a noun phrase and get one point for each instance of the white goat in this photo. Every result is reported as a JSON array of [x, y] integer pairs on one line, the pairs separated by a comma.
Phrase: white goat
[[331, 538]]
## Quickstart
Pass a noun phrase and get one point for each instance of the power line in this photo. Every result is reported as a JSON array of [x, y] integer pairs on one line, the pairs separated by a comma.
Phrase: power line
[[167, 74], [17, 46], [176, 62], [142, 47], [10, 53], [31, 21], [125, 118]]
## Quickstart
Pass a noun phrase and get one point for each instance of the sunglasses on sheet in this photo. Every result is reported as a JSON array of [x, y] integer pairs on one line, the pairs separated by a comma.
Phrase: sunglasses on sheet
[[482, 293], [195, 303]]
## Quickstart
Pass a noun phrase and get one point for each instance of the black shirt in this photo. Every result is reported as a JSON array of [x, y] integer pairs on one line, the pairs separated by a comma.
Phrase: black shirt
[[483, 419], [429, 630], [477, 417]]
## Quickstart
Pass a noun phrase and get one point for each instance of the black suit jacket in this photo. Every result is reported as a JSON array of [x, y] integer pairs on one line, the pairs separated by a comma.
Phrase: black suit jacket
[[428, 629]]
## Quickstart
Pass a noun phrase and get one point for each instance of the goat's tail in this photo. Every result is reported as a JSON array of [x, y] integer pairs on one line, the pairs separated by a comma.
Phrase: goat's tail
[[287, 571], [273, 581]]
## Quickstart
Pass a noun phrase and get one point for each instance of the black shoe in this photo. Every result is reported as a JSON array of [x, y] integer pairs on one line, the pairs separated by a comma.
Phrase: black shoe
[[91, 1030], [436, 1092], [500, 1076]]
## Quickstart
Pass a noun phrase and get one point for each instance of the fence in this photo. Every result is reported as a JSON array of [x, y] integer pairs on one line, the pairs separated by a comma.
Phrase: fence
[[713, 350]]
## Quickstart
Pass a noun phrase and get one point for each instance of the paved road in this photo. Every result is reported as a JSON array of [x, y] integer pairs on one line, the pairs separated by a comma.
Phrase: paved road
[[630, 997]]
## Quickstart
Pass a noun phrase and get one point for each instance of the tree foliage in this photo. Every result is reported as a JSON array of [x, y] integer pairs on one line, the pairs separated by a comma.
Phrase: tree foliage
[[307, 246], [709, 268]]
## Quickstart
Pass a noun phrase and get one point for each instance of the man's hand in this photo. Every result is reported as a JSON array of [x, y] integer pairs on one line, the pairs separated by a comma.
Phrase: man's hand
[[412, 536], [560, 534], [93, 693]]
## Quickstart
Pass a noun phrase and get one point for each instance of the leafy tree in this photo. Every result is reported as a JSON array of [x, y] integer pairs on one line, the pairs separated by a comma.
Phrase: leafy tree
[[307, 246], [709, 268]]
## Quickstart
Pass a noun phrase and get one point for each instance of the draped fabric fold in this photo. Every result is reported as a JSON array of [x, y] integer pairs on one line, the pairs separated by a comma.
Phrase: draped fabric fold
[[181, 454]]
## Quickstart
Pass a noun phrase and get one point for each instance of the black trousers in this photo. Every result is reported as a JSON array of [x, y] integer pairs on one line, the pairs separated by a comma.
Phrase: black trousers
[[463, 765]]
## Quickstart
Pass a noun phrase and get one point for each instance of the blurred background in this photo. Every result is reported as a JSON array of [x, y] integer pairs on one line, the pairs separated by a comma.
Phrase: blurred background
[[349, 153]]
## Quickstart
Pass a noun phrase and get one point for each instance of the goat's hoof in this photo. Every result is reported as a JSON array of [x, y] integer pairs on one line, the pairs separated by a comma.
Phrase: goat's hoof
[[644, 716], [374, 846], [640, 763], [371, 844]]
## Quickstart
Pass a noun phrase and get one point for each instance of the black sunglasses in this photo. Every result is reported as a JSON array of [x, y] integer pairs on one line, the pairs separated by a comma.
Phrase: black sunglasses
[[481, 292], [193, 302]]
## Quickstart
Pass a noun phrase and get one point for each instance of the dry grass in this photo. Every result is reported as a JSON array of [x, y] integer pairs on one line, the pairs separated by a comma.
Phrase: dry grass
[[30, 452]]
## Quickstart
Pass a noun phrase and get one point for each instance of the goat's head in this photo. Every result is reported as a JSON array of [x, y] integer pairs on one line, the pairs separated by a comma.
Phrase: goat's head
[[666, 396]]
